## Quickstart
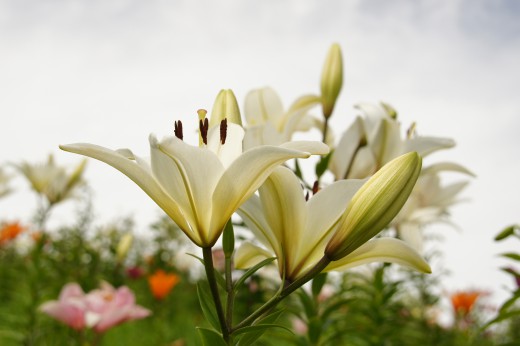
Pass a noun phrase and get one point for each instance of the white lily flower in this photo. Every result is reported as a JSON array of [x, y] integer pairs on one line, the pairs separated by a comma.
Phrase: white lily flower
[[200, 187], [429, 202], [374, 140], [52, 181], [267, 121], [297, 231]]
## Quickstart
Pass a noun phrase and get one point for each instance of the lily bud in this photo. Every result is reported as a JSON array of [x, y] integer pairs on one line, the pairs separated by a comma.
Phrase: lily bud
[[225, 106], [375, 204], [331, 79], [124, 246]]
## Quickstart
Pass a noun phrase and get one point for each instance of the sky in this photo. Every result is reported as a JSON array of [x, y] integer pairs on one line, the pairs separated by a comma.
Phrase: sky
[[111, 72]]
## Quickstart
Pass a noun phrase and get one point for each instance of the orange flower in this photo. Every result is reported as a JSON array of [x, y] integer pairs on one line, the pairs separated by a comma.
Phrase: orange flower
[[10, 231], [162, 283], [463, 302]]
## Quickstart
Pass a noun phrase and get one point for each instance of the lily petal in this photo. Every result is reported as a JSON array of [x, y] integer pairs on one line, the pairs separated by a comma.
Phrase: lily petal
[[249, 255], [245, 175], [446, 167], [283, 191], [427, 145], [382, 250], [174, 161], [137, 173]]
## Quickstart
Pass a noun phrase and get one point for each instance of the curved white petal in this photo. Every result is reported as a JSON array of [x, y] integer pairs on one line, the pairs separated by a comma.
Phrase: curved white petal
[[364, 164], [324, 210], [343, 155], [252, 214], [262, 106], [284, 207], [446, 167], [382, 250], [427, 145], [245, 175], [309, 147], [182, 170], [411, 234], [138, 173], [232, 147], [249, 255]]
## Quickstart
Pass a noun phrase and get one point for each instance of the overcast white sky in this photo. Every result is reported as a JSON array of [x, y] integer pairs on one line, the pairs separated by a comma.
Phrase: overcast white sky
[[111, 72]]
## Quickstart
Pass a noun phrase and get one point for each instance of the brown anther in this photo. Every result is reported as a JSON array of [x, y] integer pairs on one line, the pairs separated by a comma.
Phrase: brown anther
[[203, 127], [315, 188], [307, 196], [178, 130], [223, 130]]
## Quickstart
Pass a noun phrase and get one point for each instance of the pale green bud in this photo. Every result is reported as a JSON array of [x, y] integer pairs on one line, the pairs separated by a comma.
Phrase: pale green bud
[[331, 79], [225, 107], [375, 204], [124, 245]]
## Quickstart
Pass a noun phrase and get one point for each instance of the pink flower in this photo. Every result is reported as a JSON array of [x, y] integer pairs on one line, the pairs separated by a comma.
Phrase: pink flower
[[69, 308], [113, 306], [100, 309]]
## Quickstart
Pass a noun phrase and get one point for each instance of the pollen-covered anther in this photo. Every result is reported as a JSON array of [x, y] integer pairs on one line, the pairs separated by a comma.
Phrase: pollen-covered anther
[[203, 127], [223, 130], [178, 130], [315, 188]]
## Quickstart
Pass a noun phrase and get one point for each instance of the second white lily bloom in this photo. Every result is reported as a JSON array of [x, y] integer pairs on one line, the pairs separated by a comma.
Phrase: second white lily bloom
[[298, 231]]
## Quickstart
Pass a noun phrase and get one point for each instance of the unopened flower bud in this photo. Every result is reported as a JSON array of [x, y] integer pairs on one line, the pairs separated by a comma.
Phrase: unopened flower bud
[[124, 245], [331, 79], [375, 204], [225, 106]]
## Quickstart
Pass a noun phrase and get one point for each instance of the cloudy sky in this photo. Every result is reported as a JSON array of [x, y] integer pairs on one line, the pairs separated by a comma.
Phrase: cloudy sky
[[111, 72]]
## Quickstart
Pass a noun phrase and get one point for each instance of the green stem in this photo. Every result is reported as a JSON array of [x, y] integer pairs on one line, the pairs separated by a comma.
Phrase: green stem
[[230, 292], [210, 274], [293, 286], [325, 130]]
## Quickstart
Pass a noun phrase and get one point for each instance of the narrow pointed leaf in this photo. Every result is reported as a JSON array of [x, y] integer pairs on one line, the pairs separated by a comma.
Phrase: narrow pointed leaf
[[211, 338], [252, 270], [250, 337], [207, 304]]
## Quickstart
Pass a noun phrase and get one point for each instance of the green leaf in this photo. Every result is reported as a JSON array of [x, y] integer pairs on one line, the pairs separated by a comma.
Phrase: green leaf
[[508, 303], [260, 328], [252, 270], [297, 169], [511, 255], [502, 317], [252, 336], [210, 337], [317, 283], [507, 232], [322, 166], [314, 331], [207, 305], [307, 302]]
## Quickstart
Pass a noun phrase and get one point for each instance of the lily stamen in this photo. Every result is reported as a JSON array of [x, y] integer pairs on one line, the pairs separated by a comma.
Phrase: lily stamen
[[178, 130], [315, 188], [223, 130], [203, 127]]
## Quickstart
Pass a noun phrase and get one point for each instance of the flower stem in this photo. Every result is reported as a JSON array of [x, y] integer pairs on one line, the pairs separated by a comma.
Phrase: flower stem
[[230, 293], [325, 129], [293, 286], [210, 274]]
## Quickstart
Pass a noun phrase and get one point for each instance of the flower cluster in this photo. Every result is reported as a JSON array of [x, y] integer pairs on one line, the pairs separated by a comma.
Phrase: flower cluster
[[242, 169]]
